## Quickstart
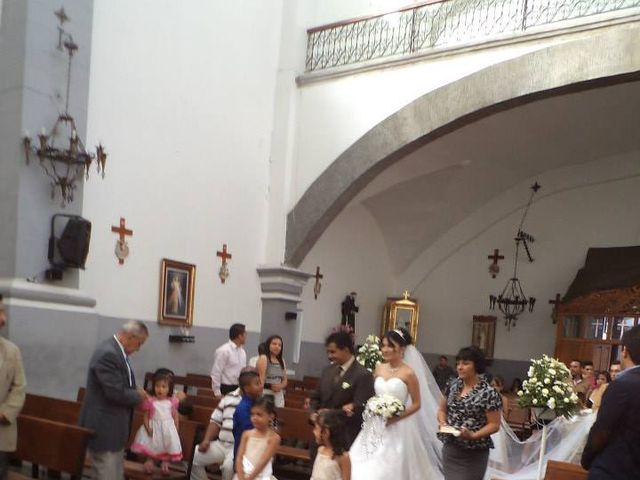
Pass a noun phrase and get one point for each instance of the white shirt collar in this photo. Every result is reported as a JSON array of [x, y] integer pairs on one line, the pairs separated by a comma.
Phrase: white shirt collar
[[346, 365], [124, 354]]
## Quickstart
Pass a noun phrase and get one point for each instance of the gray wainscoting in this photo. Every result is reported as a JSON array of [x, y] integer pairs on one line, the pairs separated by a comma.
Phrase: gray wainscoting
[[56, 347]]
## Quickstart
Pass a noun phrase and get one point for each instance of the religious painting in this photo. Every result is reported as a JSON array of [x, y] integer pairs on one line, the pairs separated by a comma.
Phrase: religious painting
[[177, 281], [401, 312], [484, 334]]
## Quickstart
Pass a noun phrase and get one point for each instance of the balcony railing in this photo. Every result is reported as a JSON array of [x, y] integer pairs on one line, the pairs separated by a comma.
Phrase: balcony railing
[[442, 24]]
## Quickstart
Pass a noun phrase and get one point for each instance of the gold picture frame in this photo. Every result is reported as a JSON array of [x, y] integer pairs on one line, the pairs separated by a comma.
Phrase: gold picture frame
[[401, 312], [177, 282]]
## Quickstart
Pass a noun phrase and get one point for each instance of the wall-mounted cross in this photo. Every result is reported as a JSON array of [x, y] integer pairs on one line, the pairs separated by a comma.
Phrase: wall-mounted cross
[[494, 268], [122, 249], [555, 302], [224, 270], [318, 285]]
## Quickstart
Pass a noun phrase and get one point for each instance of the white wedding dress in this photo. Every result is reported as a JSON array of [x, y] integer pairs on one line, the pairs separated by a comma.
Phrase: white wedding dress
[[402, 451]]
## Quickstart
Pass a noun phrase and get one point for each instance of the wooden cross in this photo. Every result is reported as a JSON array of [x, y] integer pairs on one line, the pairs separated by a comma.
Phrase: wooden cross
[[555, 304], [494, 269], [317, 286], [224, 255], [122, 243]]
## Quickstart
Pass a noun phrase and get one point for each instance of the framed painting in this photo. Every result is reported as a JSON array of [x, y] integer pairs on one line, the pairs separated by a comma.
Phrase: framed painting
[[177, 282], [484, 334]]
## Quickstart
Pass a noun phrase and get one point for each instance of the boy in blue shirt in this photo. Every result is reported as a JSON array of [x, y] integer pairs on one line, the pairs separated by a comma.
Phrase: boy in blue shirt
[[251, 387]]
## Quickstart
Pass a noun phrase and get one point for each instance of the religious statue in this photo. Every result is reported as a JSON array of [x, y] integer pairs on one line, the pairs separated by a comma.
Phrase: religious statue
[[349, 310]]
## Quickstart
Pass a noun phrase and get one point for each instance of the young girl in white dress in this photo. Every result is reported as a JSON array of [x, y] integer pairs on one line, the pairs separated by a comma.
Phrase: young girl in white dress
[[158, 437], [332, 461], [258, 446], [407, 447]]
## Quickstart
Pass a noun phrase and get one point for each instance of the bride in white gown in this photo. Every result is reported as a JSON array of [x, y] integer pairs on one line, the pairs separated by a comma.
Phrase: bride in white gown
[[407, 448]]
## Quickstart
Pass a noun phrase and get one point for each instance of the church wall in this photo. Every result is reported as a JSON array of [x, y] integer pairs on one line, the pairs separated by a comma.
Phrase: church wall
[[186, 115], [352, 257], [57, 344], [589, 205]]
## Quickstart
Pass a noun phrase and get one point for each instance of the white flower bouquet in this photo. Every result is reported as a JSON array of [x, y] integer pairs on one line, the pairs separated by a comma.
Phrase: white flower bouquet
[[385, 406], [549, 387], [369, 354]]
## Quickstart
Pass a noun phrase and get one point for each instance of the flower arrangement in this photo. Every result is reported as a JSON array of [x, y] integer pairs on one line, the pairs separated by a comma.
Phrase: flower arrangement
[[385, 406], [369, 354], [343, 327], [549, 387]]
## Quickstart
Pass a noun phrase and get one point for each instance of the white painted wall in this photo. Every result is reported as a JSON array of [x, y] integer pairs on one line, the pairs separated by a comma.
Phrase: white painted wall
[[589, 205], [352, 257], [182, 97]]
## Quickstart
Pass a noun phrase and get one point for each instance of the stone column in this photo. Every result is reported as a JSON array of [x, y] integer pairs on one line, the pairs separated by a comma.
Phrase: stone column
[[281, 314]]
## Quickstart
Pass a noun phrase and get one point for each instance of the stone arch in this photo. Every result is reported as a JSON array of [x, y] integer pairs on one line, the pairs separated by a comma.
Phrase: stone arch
[[583, 64]]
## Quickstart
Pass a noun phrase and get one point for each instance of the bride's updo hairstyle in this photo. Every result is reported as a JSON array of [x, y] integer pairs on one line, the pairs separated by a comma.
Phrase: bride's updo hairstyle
[[399, 336]]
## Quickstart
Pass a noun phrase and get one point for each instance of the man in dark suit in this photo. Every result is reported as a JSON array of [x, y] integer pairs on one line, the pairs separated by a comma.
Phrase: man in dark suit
[[613, 447], [110, 398], [344, 385]]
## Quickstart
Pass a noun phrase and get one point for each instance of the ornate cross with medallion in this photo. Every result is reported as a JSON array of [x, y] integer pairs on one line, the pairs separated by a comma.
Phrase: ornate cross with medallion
[[223, 273], [122, 247]]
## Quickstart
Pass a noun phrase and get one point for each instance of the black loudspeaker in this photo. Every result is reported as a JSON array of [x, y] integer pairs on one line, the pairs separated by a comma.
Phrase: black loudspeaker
[[73, 244], [290, 315]]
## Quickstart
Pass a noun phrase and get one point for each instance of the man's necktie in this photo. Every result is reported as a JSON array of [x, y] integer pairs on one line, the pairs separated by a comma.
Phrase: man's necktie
[[338, 375], [129, 371]]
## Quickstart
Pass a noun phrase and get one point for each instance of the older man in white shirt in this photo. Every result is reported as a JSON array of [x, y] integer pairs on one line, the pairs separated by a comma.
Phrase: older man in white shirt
[[230, 358]]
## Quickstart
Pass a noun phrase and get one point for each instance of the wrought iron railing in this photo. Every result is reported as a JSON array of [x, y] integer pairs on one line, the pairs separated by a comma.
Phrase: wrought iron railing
[[443, 24]]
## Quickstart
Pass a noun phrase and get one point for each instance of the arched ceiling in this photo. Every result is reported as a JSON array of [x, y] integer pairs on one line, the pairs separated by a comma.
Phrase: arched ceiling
[[420, 197], [432, 163]]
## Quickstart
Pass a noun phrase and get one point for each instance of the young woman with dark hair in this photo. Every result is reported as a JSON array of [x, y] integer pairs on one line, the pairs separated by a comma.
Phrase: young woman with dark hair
[[273, 370]]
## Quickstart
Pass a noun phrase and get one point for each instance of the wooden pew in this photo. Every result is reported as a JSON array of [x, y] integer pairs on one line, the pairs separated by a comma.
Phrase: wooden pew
[[564, 471], [190, 380], [58, 446], [210, 402], [310, 383], [201, 415], [198, 380], [56, 409], [294, 401], [205, 392], [293, 424], [519, 419], [294, 385]]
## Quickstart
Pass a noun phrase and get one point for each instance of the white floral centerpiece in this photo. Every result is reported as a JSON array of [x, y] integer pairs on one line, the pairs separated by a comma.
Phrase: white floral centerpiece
[[369, 354], [548, 388]]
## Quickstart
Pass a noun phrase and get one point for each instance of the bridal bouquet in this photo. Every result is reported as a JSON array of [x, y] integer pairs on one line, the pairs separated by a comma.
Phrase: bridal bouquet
[[369, 354], [549, 388], [378, 410], [385, 406]]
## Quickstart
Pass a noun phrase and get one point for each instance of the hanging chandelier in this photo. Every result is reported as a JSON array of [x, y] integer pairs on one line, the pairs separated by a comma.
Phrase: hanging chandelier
[[513, 301], [61, 152]]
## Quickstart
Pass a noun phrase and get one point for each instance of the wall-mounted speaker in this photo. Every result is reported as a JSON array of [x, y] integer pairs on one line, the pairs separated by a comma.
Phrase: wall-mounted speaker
[[290, 315], [70, 250]]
